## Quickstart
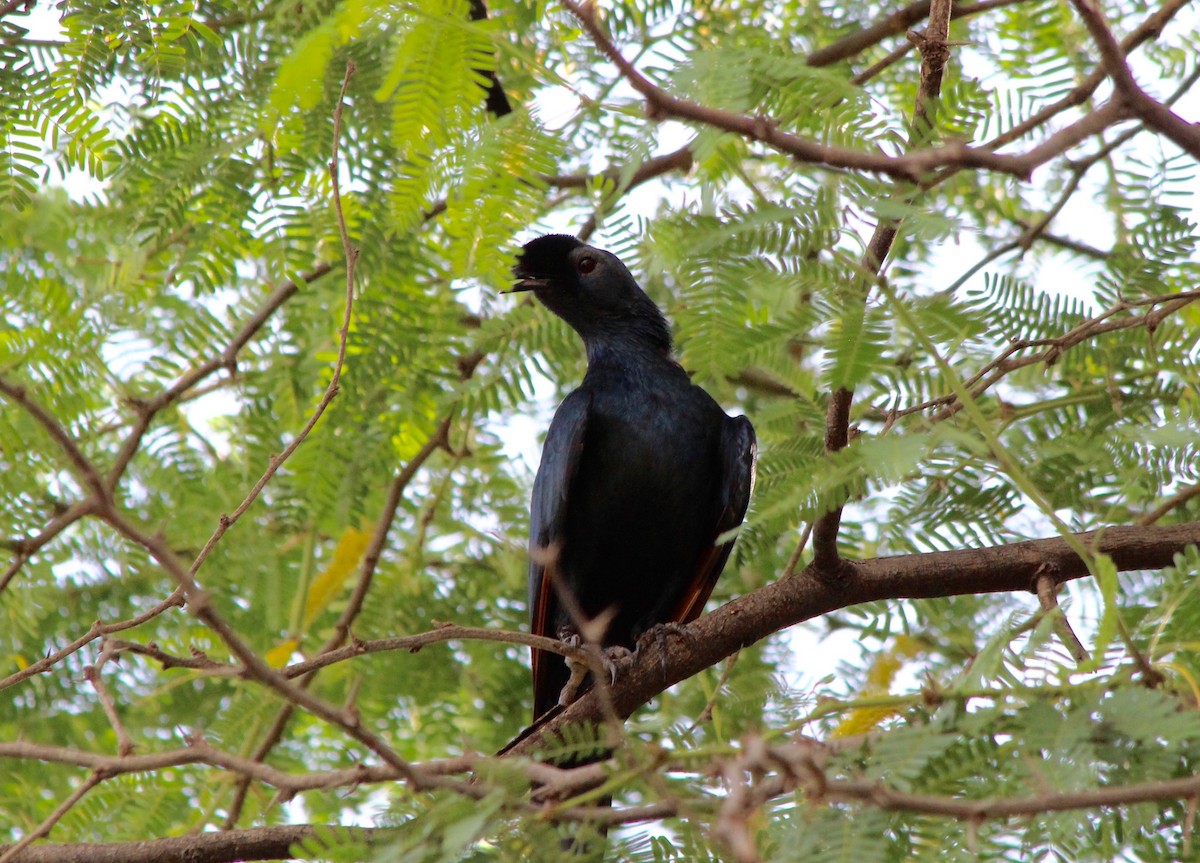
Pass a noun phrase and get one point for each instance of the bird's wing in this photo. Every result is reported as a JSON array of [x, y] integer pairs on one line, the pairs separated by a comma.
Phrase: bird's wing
[[738, 451], [548, 513]]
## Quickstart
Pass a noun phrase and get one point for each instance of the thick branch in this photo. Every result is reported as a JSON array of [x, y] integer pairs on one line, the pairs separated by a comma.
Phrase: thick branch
[[264, 843], [996, 569]]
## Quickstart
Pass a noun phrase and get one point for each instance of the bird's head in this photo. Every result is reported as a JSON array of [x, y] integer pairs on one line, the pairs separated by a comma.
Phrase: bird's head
[[592, 291]]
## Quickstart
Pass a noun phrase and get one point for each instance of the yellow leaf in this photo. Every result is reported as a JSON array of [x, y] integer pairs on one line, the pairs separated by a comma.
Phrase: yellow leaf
[[278, 656], [860, 720], [880, 675], [328, 583], [882, 671], [22, 662]]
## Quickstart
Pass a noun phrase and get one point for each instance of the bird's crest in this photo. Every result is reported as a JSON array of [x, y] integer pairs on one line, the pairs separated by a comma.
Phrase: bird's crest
[[546, 256]]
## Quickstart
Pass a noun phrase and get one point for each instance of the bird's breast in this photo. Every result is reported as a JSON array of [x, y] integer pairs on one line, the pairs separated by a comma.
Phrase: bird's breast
[[650, 449]]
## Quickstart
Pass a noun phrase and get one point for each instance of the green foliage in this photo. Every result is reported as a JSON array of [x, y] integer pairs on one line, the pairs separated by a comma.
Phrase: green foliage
[[164, 170]]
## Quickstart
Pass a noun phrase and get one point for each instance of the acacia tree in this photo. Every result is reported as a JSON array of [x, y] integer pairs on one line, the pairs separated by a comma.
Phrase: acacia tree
[[256, 377]]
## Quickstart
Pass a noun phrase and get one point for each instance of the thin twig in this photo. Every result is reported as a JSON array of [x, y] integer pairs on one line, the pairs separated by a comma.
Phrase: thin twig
[[1032, 231], [353, 607], [910, 166], [893, 25], [81, 466], [1047, 590], [1007, 361], [12, 6], [147, 410], [331, 391], [794, 561], [706, 714], [25, 548], [42, 830], [1181, 497], [92, 673], [97, 630], [898, 54], [438, 440], [324, 659]]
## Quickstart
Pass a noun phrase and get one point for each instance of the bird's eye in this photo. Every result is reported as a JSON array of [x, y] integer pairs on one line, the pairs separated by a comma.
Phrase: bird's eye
[[586, 265]]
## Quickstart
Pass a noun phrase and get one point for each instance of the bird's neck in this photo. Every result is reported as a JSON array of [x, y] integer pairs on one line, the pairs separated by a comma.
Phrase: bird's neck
[[625, 352], [640, 339]]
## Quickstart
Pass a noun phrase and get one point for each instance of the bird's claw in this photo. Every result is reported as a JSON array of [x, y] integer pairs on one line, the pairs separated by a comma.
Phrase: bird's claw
[[610, 656], [658, 633], [581, 668]]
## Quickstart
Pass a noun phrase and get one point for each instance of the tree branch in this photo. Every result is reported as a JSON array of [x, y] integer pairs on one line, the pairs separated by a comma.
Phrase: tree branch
[[910, 166], [263, 843], [11, 853], [1047, 592], [80, 464], [12, 6], [332, 656], [1007, 362], [97, 630], [752, 617], [1152, 112], [226, 360], [25, 548], [1181, 497], [935, 51], [893, 25]]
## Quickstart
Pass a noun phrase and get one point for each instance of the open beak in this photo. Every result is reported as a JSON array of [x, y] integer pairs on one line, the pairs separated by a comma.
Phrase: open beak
[[527, 283]]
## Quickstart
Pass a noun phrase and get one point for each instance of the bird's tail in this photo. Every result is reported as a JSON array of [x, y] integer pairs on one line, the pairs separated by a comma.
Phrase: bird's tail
[[583, 841]]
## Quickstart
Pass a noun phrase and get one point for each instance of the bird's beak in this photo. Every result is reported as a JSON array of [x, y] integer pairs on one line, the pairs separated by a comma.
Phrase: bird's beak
[[528, 283]]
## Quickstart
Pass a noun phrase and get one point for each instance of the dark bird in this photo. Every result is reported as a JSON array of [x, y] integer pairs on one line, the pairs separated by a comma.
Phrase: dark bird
[[642, 475], [496, 101]]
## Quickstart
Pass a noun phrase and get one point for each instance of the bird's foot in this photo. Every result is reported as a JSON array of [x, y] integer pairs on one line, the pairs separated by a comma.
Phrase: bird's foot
[[610, 656], [580, 668], [576, 665], [658, 634]]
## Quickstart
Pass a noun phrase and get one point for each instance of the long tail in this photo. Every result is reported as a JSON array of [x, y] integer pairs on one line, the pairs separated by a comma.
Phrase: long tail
[[589, 840]]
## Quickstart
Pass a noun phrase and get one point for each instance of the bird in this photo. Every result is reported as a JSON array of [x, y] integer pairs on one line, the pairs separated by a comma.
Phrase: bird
[[643, 476]]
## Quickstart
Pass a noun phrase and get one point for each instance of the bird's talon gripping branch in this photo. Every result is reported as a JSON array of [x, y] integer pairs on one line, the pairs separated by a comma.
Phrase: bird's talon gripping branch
[[579, 673], [611, 656], [580, 667], [658, 633], [576, 665]]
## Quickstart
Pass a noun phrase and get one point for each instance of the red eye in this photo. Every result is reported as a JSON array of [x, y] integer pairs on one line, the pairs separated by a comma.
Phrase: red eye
[[586, 265]]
